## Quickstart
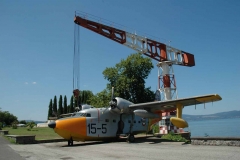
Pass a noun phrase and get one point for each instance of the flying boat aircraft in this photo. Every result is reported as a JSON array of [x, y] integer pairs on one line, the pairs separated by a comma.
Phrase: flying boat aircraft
[[122, 118]]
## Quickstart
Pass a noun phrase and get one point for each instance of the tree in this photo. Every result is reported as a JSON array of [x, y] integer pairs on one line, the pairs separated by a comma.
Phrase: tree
[[55, 106], [50, 109], [85, 96], [101, 99], [68, 109], [60, 107], [71, 105], [128, 78], [22, 122], [7, 118], [65, 109]]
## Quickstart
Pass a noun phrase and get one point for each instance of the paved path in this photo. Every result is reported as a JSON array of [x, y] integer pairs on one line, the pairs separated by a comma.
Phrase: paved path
[[142, 149], [7, 153]]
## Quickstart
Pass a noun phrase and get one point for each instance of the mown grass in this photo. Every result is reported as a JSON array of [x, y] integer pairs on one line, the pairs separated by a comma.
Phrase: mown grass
[[42, 133]]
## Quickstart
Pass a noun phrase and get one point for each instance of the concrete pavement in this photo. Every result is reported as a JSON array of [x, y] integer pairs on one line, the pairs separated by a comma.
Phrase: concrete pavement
[[144, 148], [6, 152]]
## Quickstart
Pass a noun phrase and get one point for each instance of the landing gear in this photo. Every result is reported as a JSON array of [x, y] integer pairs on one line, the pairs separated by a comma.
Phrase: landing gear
[[120, 125], [130, 138], [70, 142]]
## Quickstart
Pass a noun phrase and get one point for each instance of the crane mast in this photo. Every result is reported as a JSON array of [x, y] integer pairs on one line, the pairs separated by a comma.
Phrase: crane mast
[[164, 54]]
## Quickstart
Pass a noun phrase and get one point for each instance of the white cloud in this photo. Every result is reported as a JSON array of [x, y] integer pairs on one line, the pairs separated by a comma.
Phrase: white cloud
[[34, 82]]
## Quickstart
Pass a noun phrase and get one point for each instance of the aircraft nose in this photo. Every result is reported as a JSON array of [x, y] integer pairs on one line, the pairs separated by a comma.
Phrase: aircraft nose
[[52, 125]]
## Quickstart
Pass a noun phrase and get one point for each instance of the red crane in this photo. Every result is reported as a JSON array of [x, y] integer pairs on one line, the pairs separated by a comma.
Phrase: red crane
[[164, 54]]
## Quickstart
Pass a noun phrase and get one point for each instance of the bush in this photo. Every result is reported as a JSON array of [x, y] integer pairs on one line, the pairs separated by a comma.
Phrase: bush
[[174, 137], [14, 125], [1, 125], [30, 125], [155, 128]]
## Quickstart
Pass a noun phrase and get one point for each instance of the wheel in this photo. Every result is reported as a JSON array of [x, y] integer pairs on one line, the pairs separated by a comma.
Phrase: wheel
[[130, 138], [117, 138], [70, 142]]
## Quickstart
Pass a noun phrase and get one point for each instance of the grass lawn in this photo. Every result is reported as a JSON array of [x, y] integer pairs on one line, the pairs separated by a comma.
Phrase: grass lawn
[[42, 133]]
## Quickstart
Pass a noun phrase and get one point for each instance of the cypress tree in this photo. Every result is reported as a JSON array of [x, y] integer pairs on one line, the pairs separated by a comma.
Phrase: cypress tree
[[65, 109], [50, 109], [60, 106], [55, 106], [68, 109], [71, 105]]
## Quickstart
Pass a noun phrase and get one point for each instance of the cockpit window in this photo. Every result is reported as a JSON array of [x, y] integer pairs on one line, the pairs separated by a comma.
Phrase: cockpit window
[[82, 115]]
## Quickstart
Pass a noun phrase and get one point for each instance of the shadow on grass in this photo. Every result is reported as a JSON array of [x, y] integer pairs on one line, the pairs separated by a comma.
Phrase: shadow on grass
[[32, 129]]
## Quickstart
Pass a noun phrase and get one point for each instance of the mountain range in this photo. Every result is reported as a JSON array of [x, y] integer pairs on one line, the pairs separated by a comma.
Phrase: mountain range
[[220, 115]]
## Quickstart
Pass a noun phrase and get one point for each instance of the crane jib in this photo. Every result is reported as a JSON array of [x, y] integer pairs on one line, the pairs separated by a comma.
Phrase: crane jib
[[153, 49]]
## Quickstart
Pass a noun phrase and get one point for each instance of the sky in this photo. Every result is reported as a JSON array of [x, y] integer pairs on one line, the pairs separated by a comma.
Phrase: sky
[[37, 47]]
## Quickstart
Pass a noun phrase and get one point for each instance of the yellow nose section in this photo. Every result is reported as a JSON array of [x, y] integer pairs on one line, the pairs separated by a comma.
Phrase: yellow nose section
[[74, 128]]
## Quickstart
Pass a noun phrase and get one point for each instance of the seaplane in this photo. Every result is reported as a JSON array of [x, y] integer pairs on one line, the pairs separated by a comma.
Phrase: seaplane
[[122, 118]]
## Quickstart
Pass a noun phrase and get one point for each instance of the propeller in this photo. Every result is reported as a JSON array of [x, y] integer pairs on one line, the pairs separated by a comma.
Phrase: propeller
[[113, 102]]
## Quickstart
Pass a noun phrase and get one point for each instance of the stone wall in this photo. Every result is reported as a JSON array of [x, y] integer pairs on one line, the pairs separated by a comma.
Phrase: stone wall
[[216, 141]]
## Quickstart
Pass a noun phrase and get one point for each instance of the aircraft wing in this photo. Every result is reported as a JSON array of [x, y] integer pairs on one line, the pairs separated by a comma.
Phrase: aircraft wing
[[171, 104]]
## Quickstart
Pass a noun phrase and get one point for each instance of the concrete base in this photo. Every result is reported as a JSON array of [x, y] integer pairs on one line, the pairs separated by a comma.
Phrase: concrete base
[[26, 139], [3, 132]]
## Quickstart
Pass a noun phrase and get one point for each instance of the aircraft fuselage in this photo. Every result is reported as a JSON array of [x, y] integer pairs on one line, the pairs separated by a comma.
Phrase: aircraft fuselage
[[99, 124]]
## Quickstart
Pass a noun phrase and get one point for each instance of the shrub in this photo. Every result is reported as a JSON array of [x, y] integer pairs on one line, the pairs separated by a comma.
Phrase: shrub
[[30, 125], [14, 125], [155, 128], [174, 137]]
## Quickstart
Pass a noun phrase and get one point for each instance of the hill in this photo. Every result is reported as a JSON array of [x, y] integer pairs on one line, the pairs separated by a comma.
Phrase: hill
[[220, 115]]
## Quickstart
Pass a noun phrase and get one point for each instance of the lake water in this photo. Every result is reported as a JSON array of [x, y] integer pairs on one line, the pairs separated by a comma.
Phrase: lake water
[[218, 127]]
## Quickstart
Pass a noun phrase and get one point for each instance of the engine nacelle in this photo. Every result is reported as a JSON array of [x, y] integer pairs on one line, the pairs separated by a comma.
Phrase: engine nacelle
[[120, 105], [86, 106]]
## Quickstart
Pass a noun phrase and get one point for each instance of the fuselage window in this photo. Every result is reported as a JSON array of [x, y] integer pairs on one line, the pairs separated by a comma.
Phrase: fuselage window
[[129, 121], [114, 120], [139, 121], [82, 115], [106, 120], [134, 121]]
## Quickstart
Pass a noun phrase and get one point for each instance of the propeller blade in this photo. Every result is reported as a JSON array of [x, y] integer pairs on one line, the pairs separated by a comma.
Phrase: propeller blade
[[112, 93]]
